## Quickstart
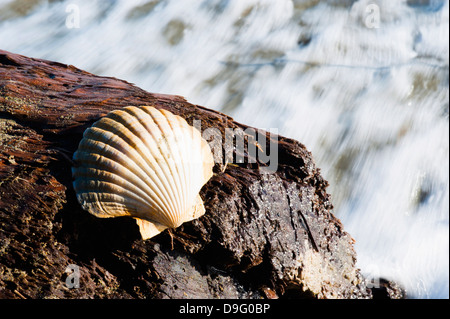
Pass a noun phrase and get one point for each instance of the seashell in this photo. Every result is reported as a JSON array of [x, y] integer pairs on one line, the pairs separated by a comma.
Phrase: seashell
[[145, 163]]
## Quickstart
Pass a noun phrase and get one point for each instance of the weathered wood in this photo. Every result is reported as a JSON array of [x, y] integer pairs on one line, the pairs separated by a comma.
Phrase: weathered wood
[[263, 235]]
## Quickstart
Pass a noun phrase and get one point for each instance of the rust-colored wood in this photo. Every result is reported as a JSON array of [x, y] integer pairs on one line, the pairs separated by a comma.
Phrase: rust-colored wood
[[263, 235]]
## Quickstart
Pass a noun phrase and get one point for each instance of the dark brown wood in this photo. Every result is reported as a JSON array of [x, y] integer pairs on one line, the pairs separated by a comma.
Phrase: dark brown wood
[[263, 235]]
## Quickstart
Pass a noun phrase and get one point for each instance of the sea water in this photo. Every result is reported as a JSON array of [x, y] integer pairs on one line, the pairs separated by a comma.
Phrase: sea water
[[362, 84]]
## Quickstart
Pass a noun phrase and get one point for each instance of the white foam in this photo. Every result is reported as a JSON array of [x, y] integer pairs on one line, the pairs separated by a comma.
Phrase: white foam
[[369, 98]]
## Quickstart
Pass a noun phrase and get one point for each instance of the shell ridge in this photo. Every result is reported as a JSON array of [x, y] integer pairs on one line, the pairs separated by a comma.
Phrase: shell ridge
[[161, 123], [167, 175], [178, 127], [194, 161], [149, 132], [107, 176], [147, 167], [198, 154], [194, 134], [135, 205], [117, 161], [100, 163], [109, 205]]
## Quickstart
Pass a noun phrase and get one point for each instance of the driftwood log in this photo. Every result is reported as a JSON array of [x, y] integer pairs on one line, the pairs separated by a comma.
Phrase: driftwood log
[[263, 235]]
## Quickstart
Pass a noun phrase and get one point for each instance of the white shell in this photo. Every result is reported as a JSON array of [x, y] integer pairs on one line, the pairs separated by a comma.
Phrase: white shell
[[145, 163]]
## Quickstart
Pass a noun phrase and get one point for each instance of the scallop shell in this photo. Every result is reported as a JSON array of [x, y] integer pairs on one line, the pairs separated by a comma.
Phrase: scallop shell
[[145, 163]]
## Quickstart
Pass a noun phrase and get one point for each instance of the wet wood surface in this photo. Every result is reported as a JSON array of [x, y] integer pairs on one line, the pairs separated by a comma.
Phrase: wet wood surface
[[263, 235]]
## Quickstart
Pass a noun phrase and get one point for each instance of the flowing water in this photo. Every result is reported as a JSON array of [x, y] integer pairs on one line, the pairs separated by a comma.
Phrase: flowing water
[[363, 84]]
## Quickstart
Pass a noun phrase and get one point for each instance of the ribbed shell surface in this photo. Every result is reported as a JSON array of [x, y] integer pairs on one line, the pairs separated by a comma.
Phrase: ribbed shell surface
[[142, 162]]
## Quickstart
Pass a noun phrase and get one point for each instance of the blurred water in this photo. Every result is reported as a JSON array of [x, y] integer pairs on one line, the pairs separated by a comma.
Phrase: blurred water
[[363, 84]]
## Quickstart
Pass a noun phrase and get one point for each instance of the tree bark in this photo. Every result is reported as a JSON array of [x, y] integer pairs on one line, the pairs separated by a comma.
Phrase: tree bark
[[263, 235]]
